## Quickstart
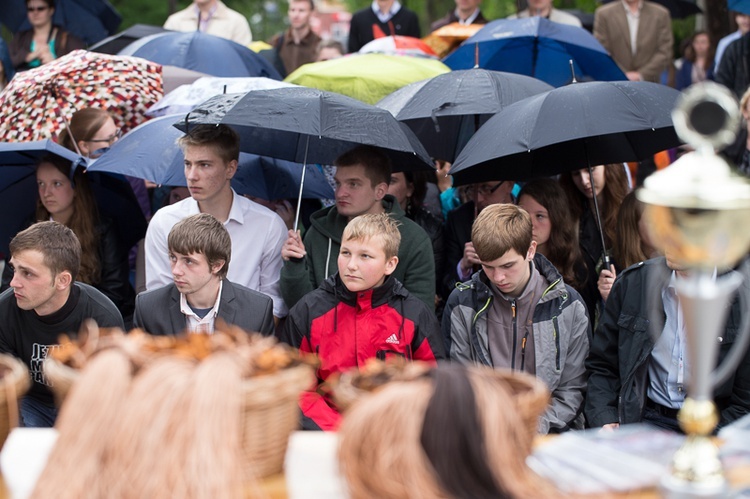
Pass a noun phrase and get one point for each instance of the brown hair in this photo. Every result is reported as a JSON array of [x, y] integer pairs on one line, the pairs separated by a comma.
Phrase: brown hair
[[562, 248], [50, 3], [222, 139], [500, 228], [457, 433], [614, 191], [370, 226], [204, 234], [377, 165], [83, 221], [628, 248], [83, 126], [57, 243]]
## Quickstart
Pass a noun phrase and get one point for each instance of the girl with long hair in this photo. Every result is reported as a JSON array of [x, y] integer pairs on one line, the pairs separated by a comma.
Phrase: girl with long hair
[[610, 186]]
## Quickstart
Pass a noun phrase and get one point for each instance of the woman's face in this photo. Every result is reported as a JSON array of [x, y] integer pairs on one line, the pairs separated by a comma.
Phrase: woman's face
[[400, 188], [582, 181], [541, 224], [55, 191], [39, 13], [701, 44], [107, 135]]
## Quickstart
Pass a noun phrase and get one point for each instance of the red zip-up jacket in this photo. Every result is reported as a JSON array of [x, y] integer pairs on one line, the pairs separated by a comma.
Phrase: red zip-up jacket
[[345, 329]]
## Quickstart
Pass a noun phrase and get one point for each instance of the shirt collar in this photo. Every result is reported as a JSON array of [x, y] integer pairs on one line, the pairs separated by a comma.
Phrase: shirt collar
[[392, 12], [627, 8], [185, 307], [470, 19]]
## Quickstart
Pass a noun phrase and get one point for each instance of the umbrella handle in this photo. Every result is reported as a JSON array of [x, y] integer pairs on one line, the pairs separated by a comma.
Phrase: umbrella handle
[[301, 185]]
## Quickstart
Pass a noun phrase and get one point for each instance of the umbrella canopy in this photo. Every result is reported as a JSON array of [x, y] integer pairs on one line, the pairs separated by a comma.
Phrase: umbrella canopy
[[201, 52], [37, 103], [90, 20], [568, 128], [398, 45], [115, 43], [537, 47], [366, 77], [18, 189], [445, 111], [308, 125], [742, 6], [151, 152], [186, 97], [678, 9]]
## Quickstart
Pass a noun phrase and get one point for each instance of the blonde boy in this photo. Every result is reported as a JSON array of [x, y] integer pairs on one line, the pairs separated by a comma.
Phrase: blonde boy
[[359, 313]]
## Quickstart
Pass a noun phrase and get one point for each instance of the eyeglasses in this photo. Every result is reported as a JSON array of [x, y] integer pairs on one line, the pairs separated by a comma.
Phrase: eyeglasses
[[484, 190], [110, 139], [37, 9]]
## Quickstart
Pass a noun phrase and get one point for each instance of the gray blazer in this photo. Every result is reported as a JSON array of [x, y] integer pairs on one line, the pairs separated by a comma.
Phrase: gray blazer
[[158, 311]]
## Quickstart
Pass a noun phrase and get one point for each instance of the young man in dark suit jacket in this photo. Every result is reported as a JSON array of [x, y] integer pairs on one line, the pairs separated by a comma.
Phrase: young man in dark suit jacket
[[199, 252]]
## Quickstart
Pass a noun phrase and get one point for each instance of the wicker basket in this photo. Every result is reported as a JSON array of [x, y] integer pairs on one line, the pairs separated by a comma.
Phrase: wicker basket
[[14, 383], [270, 412]]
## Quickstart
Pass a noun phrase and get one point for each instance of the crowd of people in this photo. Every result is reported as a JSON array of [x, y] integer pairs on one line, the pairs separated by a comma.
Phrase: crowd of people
[[549, 277]]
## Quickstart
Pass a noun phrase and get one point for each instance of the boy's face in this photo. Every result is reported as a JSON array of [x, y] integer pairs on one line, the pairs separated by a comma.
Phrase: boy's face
[[363, 264], [510, 272], [34, 286], [355, 194], [191, 273], [208, 175]]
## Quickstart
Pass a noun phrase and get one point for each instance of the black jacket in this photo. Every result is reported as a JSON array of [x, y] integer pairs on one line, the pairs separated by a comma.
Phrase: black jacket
[[364, 22], [620, 351], [734, 67]]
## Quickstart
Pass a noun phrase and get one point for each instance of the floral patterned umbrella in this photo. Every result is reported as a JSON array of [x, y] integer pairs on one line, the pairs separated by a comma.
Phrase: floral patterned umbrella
[[37, 103]]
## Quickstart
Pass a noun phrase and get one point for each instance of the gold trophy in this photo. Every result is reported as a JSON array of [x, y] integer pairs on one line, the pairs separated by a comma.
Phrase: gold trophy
[[697, 211]]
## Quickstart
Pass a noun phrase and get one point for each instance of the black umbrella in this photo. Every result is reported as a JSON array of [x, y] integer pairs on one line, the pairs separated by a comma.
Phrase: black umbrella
[[113, 44], [570, 128], [308, 125], [678, 9], [445, 111]]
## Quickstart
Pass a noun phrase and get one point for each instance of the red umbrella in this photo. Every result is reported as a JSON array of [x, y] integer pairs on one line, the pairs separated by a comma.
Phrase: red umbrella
[[399, 45], [37, 103]]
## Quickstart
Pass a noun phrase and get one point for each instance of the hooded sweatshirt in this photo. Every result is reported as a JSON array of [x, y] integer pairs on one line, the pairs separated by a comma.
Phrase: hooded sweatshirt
[[416, 263]]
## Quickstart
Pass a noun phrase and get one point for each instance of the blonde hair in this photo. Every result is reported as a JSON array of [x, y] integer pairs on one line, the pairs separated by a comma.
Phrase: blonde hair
[[369, 226], [457, 433], [500, 228]]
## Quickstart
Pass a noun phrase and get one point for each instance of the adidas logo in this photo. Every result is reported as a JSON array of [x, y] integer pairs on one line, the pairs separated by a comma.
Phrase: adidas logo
[[392, 339]]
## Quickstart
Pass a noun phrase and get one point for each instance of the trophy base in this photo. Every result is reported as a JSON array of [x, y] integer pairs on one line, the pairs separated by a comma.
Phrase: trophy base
[[676, 488]]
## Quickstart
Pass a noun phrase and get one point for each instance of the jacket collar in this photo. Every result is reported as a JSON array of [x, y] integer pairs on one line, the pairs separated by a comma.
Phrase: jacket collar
[[374, 297]]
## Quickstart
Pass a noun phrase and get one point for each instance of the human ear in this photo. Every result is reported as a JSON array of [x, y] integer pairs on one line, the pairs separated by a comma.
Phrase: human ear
[[216, 267], [381, 190], [390, 265], [531, 252], [63, 280], [231, 168]]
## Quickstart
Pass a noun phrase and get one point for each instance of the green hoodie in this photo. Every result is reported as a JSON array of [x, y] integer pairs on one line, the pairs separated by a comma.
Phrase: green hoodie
[[416, 263]]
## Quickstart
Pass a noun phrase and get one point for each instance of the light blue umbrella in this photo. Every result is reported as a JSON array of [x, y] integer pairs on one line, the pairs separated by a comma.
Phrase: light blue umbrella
[[150, 152]]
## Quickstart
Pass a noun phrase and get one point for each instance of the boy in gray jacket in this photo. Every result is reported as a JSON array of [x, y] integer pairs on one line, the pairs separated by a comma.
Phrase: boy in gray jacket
[[517, 313]]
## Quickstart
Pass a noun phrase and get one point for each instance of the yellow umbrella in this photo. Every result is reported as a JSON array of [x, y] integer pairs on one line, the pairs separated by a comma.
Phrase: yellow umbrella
[[444, 40], [366, 77]]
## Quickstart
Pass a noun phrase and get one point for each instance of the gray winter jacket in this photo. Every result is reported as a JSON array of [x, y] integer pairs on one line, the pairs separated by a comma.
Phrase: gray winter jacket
[[561, 335]]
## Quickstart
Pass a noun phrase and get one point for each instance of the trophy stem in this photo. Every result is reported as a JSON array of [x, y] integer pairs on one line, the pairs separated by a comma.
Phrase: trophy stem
[[696, 468]]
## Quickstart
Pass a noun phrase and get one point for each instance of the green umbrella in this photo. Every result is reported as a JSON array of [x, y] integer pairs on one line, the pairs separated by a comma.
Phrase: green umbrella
[[366, 77]]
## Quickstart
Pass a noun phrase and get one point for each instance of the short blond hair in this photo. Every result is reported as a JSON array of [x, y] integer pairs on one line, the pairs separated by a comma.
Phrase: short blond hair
[[500, 228], [369, 226]]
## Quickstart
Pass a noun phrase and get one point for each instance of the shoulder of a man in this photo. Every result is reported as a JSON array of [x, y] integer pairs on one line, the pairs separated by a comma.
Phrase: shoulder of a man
[[97, 306], [169, 215], [245, 294]]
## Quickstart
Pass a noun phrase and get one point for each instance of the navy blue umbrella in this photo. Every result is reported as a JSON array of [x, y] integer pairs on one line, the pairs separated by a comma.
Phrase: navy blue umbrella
[[203, 53], [539, 48], [115, 43], [90, 20], [18, 190], [150, 151]]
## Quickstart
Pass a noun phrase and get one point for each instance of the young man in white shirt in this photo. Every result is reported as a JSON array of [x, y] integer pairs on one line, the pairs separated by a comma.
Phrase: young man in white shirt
[[211, 157]]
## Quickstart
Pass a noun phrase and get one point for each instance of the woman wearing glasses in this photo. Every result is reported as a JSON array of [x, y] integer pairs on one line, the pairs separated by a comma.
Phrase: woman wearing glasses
[[44, 42]]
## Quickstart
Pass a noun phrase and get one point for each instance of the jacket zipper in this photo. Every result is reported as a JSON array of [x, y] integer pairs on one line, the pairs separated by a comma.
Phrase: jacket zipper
[[556, 335], [515, 335]]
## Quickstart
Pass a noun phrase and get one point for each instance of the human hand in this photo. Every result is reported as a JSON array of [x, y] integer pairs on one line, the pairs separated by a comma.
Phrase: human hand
[[293, 247], [633, 76], [605, 282], [285, 210], [610, 427], [469, 259]]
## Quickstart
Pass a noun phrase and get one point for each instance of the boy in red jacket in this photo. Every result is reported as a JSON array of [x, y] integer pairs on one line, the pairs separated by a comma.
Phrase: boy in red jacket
[[359, 313]]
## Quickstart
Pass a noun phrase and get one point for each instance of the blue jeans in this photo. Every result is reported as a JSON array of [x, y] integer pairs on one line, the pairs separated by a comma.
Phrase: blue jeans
[[36, 414]]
